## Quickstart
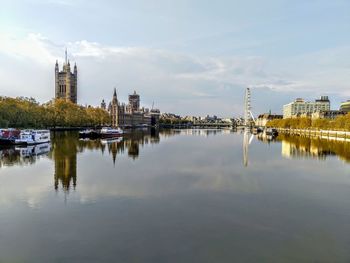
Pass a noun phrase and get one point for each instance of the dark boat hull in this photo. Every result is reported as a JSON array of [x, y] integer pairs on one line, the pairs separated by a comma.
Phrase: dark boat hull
[[7, 141], [90, 135], [110, 135]]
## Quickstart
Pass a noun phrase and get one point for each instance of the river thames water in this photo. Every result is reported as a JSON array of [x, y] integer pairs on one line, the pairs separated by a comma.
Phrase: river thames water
[[176, 196]]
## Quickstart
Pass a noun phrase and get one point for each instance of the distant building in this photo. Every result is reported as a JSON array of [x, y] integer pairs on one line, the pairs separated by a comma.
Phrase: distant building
[[345, 106], [134, 101], [131, 115], [103, 105], [264, 118], [299, 107], [66, 82], [330, 114]]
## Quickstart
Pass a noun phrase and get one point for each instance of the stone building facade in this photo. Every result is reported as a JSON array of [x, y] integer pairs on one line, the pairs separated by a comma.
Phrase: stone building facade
[[262, 119], [66, 82], [330, 114], [131, 115]]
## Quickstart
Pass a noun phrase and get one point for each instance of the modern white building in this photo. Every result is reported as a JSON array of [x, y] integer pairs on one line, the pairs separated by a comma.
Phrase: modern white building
[[299, 107]]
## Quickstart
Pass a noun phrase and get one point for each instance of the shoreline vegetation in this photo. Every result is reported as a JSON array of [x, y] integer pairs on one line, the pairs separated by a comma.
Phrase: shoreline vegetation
[[22, 112], [341, 123]]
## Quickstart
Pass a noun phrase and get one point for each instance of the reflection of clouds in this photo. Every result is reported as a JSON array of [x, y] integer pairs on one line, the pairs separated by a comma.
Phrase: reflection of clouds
[[178, 165], [26, 184], [173, 169], [181, 182], [181, 165], [204, 132]]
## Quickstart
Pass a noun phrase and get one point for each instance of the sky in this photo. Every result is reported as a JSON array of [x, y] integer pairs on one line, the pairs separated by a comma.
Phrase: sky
[[190, 57]]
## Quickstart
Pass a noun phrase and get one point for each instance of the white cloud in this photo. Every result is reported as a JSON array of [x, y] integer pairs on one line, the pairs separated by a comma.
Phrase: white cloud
[[177, 82]]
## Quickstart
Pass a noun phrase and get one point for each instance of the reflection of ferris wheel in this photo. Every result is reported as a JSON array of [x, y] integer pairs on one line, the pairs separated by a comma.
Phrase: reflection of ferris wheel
[[247, 139], [248, 115], [248, 121]]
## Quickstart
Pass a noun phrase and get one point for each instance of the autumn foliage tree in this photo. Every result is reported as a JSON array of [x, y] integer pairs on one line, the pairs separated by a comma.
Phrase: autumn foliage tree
[[341, 123], [27, 113]]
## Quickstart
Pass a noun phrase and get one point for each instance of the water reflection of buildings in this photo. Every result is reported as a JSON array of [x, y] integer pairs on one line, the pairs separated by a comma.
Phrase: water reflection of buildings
[[131, 143], [312, 147], [66, 146], [204, 132], [64, 152]]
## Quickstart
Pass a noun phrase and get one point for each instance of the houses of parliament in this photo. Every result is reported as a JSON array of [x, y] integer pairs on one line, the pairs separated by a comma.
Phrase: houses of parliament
[[121, 114], [66, 82]]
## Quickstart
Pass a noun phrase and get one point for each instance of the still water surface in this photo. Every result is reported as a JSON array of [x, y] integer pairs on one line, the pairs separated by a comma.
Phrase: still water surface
[[176, 196]]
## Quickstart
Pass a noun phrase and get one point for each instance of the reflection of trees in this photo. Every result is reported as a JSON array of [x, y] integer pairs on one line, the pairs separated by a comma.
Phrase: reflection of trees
[[298, 146], [9, 157], [66, 145]]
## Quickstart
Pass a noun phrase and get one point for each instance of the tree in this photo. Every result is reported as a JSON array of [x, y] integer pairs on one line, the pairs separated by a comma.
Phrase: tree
[[27, 113]]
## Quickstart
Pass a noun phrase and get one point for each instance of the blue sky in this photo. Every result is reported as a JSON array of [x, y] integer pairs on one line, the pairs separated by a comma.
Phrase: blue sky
[[189, 57]]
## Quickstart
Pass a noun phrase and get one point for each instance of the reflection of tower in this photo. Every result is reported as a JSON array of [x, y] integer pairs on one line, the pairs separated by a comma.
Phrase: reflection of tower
[[114, 150], [248, 116], [133, 149], [65, 157]]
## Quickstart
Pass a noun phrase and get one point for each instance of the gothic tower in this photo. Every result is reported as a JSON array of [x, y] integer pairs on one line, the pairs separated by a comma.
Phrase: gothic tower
[[66, 82], [114, 109]]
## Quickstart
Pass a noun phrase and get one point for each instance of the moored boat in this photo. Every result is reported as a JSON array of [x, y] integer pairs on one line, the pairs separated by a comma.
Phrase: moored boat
[[271, 131], [89, 133], [9, 136], [31, 137], [109, 132]]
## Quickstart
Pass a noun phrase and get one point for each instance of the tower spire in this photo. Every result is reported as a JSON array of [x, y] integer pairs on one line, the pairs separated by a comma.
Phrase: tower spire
[[66, 55]]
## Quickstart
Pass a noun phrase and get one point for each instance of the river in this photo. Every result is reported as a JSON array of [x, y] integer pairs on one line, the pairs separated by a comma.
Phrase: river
[[176, 196]]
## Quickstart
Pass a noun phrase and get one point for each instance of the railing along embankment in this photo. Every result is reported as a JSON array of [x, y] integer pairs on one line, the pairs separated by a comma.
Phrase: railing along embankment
[[327, 134]]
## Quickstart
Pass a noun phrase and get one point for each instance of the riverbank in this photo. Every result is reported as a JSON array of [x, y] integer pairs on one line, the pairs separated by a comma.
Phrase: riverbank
[[327, 134]]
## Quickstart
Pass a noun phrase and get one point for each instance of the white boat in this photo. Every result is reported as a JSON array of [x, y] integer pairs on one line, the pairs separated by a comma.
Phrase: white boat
[[34, 150], [30, 137], [108, 132], [89, 133], [111, 140]]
